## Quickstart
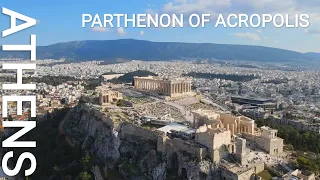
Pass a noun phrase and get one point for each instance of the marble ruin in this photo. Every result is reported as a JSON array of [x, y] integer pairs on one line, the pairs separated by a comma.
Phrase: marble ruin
[[217, 140], [170, 87], [108, 96], [240, 124], [264, 138]]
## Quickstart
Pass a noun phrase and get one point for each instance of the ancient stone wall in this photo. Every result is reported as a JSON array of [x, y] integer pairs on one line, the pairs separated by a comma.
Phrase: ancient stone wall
[[181, 145]]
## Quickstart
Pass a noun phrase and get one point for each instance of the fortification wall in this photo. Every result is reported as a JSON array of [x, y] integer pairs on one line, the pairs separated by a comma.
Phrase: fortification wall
[[181, 145], [128, 129]]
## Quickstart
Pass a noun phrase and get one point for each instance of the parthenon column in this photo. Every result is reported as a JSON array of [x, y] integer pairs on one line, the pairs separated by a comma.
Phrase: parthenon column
[[183, 87], [166, 88], [177, 88], [163, 90]]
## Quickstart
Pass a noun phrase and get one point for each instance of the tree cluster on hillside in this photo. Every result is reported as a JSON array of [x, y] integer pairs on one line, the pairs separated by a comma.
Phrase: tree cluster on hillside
[[304, 141], [50, 80], [232, 77], [128, 77]]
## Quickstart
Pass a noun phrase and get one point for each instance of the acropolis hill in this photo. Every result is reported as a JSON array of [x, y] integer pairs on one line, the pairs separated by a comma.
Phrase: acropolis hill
[[151, 136]]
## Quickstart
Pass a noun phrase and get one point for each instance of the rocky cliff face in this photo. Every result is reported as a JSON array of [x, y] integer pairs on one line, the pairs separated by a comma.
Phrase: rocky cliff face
[[132, 150]]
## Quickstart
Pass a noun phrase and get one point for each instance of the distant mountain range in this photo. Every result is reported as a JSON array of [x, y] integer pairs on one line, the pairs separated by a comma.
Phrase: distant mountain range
[[313, 55], [128, 49]]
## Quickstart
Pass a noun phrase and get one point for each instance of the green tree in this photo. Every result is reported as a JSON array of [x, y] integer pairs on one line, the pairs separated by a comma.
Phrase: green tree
[[84, 176], [86, 162], [121, 103], [10, 118], [56, 168]]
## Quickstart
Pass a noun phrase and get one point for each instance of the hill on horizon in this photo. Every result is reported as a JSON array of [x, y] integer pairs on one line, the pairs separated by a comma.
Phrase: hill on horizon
[[130, 49]]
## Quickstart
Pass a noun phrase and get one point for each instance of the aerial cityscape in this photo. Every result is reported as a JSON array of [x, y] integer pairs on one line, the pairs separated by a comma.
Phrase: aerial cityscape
[[160, 102], [189, 119]]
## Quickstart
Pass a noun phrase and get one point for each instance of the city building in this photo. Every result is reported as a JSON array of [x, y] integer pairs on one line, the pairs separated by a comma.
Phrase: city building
[[298, 175], [170, 87], [266, 104]]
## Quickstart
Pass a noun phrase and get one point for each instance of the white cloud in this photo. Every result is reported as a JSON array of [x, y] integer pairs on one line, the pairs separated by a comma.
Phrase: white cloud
[[99, 29], [276, 42], [121, 31], [215, 7], [315, 32], [141, 33], [248, 35]]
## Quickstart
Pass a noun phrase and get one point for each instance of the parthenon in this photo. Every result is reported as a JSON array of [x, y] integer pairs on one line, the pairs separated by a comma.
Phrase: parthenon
[[171, 87]]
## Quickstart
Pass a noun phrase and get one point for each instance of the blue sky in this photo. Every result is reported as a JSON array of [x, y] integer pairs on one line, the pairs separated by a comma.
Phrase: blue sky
[[60, 21]]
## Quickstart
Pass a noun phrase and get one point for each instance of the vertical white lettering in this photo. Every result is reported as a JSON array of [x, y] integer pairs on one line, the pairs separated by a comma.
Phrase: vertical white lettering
[[22, 157], [13, 22], [12, 140], [19, 68], [19, 100], [32, 48]]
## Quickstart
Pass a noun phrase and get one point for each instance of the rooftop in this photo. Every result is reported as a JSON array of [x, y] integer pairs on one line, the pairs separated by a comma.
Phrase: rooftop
[[173, 126], [252, 98]]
